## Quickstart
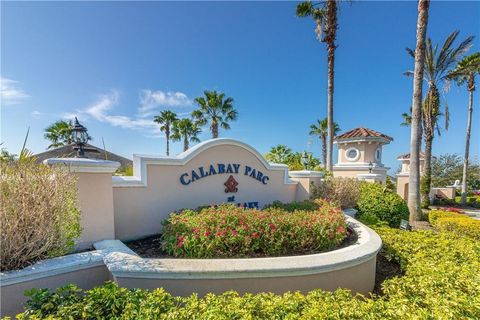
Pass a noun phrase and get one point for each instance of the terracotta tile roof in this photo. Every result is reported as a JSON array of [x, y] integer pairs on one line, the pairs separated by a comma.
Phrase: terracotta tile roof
[[363, 133]]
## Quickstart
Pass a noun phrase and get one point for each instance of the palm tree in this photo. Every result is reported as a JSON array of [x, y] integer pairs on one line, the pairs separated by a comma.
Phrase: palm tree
[[279, 154], [415, 137], [216, 110], [324, 13], [166, 120], [59, 133], [185, 130], [465, 72], [437, 65], [321, 130]]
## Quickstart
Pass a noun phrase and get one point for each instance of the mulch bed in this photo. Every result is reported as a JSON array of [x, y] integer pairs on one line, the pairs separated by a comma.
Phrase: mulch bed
[[385, 270], [151, 247]]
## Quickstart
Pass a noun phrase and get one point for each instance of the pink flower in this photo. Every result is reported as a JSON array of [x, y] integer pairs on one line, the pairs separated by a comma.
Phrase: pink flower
[[207, 233], [234, 232], [341, 229], [255, 235]]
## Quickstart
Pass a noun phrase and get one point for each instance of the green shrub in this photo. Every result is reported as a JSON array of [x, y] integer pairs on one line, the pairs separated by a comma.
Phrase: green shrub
[[440, 281], [228, 231], [387, 206], [455, 222], [472, 201], [345, 192], [39, 213]]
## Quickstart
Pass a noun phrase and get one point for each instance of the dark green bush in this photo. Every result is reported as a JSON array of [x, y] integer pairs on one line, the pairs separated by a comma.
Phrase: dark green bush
[[377, 201], [472, 201], [441, 281]]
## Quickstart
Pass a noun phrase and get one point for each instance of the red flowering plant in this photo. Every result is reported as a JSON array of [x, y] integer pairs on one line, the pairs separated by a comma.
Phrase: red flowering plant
[[453, 209], [230, 231]]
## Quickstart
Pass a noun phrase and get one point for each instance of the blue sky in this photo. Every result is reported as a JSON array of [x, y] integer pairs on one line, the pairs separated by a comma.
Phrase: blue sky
[[115, 64]]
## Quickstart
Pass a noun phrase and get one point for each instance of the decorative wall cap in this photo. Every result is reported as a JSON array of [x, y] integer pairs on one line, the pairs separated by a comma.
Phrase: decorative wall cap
[[306, 174], [123, 264], [361, 167], [370, 175], [140, 162], [52, 267], [85, 165]]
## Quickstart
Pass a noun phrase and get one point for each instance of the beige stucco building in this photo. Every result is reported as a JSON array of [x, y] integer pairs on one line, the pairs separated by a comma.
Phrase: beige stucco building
[[447, 192], [403, 175], [360, 155]]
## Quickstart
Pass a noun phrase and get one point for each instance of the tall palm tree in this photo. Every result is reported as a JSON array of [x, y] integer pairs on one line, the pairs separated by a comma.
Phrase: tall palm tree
[[324, 13], [465, 73], [59, 133], [166, 120], [437, 65], [279, 154], [321, 130], [185, 130], [215, 110], [415, 136]]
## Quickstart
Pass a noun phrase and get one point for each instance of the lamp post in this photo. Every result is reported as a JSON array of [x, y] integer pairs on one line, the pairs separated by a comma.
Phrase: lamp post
[[80, 137], [370, 167], [304, 160]]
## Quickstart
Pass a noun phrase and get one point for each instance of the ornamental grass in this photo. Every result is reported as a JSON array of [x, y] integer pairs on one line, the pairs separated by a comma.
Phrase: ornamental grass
[[231, 231], [39, 213]]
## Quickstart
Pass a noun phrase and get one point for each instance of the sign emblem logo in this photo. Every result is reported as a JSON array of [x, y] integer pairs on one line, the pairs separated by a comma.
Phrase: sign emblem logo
[[231, 185]]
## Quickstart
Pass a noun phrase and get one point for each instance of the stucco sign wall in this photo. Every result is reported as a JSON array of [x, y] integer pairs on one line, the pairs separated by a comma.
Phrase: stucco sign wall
[[215, 171]]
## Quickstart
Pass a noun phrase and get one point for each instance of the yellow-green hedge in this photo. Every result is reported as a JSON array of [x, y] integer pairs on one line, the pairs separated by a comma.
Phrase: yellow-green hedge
[[455, 222], [441, 281]]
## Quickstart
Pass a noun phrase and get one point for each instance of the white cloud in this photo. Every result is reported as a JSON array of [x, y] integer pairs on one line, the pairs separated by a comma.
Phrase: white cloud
[[151, 101], [36, 114], [10, 93], [101, 110]]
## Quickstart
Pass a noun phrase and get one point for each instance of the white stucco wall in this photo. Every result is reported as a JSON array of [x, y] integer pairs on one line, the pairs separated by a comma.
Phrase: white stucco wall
[[142, 202]]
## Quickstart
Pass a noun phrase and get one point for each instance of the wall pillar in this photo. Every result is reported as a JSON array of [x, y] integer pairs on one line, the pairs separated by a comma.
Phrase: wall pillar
[[372, 177], [95, 197], [304, 179]]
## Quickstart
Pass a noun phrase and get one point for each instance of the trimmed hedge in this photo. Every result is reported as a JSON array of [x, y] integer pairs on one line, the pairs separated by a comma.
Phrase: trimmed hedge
[[231, 231], [472, 201], [378, 203], [455, 222], [441, 281]]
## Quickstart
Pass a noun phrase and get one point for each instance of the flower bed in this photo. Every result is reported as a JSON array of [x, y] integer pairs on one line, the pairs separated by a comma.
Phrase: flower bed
[[229, 231], [440, 282]]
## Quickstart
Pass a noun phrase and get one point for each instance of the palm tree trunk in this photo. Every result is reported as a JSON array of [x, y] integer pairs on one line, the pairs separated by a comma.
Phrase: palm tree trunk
[[467, 147], [427, 172], [185, 143], [324, 151], [167, 134], [416, 133], [331, 60], [330, 30], [214, 130]]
